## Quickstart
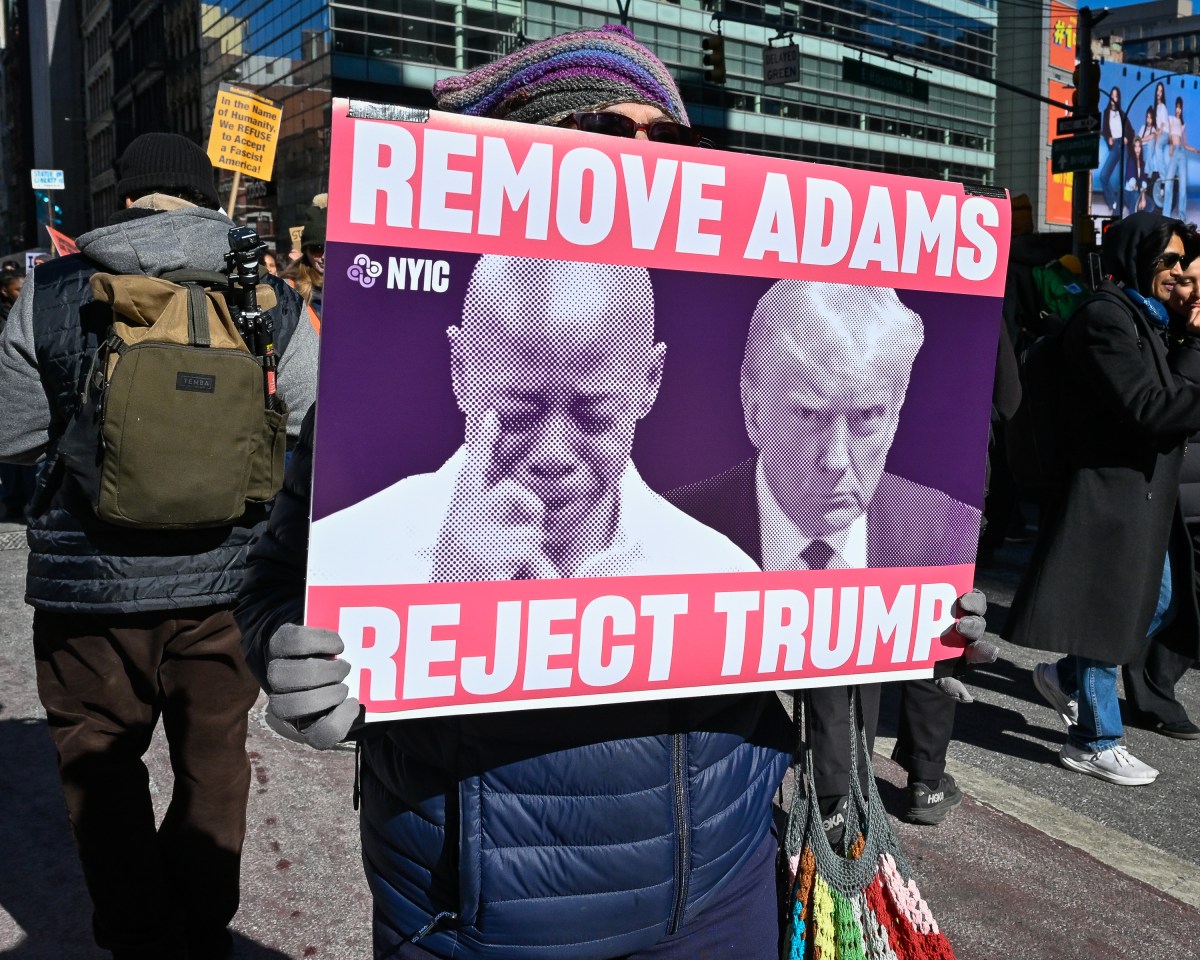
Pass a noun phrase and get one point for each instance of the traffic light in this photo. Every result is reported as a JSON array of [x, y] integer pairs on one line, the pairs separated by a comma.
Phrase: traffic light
[[48, 212], [42, 198], [1085, 98], [714, 58]]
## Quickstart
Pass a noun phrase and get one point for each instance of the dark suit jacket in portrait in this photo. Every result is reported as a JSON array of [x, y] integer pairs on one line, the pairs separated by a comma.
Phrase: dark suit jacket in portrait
[[908, 524]]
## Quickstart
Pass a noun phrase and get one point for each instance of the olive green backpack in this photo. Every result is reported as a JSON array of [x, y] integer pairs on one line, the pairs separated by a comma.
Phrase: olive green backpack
[[173, 428]]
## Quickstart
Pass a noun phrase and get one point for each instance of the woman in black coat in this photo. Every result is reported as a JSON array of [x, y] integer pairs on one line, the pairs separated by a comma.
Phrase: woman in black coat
[[1102, 580], [1151, 677]]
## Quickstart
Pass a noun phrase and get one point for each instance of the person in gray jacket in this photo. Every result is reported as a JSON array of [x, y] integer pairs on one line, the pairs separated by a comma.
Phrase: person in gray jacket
[[134, 625]]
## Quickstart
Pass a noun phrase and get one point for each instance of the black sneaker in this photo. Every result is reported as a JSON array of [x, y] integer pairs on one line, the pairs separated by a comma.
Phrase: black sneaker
[[1179, 729], [931, 807]]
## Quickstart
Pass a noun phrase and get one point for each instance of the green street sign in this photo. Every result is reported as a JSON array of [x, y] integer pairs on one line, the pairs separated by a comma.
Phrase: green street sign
[[1069, 154], [893, 81]]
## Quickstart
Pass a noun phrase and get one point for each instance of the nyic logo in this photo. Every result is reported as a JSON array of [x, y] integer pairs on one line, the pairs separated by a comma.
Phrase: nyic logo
[[403, 273], [364, 270]]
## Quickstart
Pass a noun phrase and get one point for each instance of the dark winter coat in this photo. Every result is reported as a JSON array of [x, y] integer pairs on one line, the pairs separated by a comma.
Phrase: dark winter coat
[[78, 563], [577, 834], [1189, 484], [1093, 584]]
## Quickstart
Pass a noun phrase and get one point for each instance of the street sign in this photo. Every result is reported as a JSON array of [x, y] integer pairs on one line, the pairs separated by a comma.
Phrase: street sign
[[781, 64], [893, 81], [47, 179], [1084, 123], [1075, 153]]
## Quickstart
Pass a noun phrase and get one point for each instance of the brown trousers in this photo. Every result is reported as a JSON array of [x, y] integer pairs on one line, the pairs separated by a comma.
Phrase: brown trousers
[[105, 681]]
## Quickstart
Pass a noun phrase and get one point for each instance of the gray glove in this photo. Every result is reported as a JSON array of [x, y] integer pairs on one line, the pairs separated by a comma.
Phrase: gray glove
[[306, 686], [970, 626]]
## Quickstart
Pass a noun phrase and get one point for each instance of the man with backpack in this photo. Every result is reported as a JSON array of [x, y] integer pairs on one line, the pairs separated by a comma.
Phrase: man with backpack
[[132, 602]]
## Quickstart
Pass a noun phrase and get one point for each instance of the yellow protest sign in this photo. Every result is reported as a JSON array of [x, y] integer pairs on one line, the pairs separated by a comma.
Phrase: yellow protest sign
[[244, 130]]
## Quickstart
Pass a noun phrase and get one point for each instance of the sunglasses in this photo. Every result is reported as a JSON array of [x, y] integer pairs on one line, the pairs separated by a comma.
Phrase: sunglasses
[[1168, 261], [619, 125]]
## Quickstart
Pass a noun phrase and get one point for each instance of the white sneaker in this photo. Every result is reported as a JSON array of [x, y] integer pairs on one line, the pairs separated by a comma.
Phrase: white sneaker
[[1045, 678], [1115, 764]]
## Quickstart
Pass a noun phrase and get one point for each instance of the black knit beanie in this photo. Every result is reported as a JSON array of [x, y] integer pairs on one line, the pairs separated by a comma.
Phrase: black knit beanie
[[164, 162], [315, 221]]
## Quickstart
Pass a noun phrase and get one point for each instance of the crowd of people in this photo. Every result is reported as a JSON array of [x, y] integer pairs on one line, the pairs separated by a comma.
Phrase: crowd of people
[[637, 830]]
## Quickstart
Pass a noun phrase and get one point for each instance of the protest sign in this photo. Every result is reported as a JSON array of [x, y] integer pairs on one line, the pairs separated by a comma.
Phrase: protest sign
[[244, 129], [602, 419], [63, 244]]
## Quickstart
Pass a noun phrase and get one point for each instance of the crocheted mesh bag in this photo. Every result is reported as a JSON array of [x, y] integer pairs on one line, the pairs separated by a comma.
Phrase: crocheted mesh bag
[[861, 906]]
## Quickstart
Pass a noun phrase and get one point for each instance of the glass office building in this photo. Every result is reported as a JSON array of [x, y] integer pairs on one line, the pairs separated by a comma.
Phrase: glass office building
[[280, 50], [929, 108]]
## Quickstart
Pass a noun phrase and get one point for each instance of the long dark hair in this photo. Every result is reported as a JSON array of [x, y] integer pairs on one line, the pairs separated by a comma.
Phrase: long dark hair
[[1113, 101], [1156, 240]]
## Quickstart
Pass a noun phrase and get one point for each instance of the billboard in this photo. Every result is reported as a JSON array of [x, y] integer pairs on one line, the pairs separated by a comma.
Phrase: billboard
[[1062, 36], [1147, 161], [603, 419]]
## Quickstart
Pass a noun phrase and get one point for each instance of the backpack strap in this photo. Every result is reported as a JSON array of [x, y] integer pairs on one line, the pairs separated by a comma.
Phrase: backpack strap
[[196, 282], [199, 334], [207, 278]]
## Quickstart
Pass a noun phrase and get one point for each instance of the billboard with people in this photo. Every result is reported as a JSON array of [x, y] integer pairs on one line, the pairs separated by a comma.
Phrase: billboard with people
[[1146, 160]]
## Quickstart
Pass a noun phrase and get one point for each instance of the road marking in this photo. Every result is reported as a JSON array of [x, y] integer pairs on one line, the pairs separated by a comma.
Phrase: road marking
[[1142, 861]]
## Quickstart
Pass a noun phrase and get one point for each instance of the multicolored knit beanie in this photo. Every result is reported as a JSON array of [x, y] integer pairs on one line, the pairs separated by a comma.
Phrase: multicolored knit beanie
[[548, 80]]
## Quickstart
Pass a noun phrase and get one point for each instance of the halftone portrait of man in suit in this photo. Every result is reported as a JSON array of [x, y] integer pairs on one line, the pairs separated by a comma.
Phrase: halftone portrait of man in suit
[[823, 382], [553, 365]]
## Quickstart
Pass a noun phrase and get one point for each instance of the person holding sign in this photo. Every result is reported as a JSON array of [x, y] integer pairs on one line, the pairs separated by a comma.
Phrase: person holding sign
[[553, 366], [633, 830], [824, 378]]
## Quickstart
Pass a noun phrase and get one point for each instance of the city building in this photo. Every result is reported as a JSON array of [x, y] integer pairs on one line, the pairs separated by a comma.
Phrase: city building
[[900, 86], [1162, 34], [42, 118], [278, 50], [141, 74]]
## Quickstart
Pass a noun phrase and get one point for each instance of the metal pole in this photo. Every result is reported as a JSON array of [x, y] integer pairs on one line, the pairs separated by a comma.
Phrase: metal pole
[[1081, 182]]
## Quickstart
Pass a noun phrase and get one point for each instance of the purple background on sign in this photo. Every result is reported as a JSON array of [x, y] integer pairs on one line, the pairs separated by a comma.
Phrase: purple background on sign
[[386, 411]]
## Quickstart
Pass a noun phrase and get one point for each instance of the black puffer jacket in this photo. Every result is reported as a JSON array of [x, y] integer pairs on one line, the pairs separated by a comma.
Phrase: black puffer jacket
[[77, 563]]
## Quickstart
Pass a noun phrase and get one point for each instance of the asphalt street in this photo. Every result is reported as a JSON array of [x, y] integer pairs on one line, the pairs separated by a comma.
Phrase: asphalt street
[[1038, 862]]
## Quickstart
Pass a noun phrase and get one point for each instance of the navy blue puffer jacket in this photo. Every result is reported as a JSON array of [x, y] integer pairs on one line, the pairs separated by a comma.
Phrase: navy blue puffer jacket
[[583, 833]]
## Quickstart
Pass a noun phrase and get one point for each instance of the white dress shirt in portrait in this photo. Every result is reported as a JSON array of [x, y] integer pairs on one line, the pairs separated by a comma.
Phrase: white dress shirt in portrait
[[391, 537], [783, 543]]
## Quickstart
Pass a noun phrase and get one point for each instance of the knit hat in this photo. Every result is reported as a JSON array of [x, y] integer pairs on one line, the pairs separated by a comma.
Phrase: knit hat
[[547, 81], [165, 161], [315, 220], [1072, 263]]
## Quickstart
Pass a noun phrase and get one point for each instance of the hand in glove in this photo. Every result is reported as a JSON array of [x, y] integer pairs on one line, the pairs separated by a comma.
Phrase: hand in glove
[[970, 626], [307, 691]]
